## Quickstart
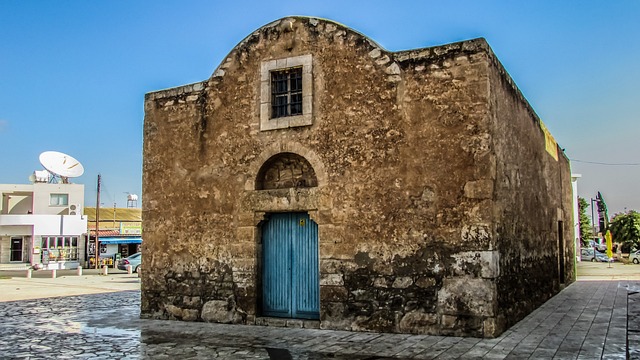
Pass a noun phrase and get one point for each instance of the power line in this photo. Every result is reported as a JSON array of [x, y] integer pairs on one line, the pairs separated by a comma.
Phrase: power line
[[604, 163]]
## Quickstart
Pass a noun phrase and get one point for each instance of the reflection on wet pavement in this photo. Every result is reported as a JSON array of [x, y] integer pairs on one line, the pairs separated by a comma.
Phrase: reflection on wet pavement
[[108, 326]]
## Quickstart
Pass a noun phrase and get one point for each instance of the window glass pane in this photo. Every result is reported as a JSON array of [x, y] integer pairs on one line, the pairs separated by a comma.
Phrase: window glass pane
[[45, 242], [59, 199], [67, 242], [52, 242], [281, 87], [286, 90], [74, 241], [60, 242], [296, 80]]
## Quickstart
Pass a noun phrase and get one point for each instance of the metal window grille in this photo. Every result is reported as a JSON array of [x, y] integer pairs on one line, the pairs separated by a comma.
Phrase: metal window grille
[[52, 250], [286, 92]]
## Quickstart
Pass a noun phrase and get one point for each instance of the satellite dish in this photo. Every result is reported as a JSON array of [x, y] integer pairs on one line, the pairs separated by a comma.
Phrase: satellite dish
[[40, 176], [62, 165]]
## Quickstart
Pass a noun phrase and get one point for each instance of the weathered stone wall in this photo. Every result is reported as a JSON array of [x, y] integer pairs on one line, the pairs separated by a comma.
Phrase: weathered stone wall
[[404, 148], [532, 196]]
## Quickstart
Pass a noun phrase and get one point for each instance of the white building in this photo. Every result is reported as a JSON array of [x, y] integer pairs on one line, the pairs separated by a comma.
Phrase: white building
[[42, 225]]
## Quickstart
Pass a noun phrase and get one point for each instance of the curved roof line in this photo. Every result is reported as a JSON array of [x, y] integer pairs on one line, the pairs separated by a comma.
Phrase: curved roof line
[[302, 17]]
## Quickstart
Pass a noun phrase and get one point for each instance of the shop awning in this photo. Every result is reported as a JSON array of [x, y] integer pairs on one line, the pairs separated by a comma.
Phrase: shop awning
[[120, 240]]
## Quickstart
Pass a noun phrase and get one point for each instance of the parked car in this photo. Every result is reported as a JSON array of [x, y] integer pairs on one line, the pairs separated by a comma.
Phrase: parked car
[[593, 256], [134, 260], [635, 257], [599, 246]]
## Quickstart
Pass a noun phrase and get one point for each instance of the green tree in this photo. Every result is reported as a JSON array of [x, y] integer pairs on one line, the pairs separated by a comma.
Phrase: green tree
[[625, 228], [586, 231]]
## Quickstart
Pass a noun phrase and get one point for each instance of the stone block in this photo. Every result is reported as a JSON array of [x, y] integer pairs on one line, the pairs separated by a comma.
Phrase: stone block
[[493, 326], [337, 324], [190, 314], [392, 69], [174, 310], [417, 322], [295, 323], [311, 324], [276, 322], [243, 265], [216, 311], [426, 282], [381, 282], [331, 279], [244, 278], [192, 301], [336, 266], [402, 282]]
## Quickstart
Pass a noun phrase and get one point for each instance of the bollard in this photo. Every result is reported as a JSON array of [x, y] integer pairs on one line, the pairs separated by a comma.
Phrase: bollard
[[53, 273], [139, 271], [29, 271], [105, 270], [79, 270], [129, 269]]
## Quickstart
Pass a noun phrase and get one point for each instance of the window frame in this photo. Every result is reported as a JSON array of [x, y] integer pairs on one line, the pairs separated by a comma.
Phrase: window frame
[[58, 197], [267, 68]]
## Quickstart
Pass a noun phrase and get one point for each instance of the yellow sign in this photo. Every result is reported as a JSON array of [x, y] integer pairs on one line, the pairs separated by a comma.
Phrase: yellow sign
[[607, 236], [131, 228], [549, 142]]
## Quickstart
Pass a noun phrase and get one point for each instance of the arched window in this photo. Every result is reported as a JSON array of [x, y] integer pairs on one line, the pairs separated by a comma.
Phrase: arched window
[[286, 170]]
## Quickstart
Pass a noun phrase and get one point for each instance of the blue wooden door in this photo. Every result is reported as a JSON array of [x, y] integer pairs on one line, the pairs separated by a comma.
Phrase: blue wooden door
[[290, 275]]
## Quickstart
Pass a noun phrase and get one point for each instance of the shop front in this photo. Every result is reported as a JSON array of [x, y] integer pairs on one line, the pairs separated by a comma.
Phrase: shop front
[[112, 249]]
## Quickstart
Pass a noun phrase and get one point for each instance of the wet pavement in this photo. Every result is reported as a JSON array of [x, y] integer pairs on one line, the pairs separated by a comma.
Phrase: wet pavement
[[587, 320]]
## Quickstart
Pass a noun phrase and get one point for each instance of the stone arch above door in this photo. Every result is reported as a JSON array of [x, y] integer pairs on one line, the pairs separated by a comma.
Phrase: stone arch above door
[[280, 148], [286, 170]]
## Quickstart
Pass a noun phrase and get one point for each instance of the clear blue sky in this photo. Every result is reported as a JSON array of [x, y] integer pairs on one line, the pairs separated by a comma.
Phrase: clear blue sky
[[73, 73]]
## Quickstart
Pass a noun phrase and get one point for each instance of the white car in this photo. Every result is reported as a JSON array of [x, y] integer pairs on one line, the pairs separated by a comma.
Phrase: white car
[[635, 257]]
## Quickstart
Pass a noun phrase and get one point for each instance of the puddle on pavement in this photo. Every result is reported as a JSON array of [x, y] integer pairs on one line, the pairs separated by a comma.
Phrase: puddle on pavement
[[110, 331]]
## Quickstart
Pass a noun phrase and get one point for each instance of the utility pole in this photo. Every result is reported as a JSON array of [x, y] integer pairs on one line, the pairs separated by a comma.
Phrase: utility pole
[[97, 248]]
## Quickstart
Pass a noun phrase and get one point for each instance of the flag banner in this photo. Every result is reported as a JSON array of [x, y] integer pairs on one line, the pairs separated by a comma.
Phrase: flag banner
[[603, 214], [609, 244]]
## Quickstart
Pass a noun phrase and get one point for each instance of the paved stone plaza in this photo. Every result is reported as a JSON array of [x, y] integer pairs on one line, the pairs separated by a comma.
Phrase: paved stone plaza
[[587, 320]]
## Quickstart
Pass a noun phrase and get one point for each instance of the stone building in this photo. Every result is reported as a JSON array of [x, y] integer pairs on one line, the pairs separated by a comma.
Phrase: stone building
[[319, 180]]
